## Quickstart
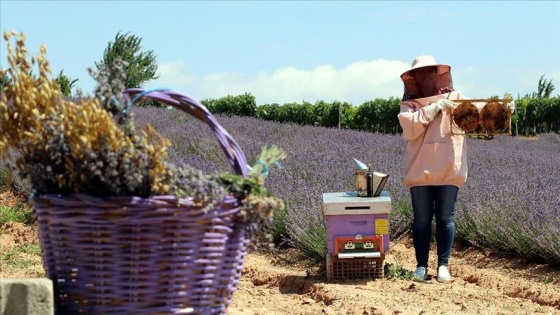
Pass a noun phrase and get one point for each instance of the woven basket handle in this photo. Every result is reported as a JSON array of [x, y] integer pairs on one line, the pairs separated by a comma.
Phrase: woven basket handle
[[233, 152]]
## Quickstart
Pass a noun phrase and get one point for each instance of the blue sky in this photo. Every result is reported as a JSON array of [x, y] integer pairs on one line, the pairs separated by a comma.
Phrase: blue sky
[[289, 51]]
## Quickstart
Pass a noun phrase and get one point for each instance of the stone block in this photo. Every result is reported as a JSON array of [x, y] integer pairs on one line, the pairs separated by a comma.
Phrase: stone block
[[29, 296]]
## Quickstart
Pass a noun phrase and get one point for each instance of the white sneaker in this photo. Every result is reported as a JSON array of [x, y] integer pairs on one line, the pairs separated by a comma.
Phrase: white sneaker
[[443, 274], [420, 274]]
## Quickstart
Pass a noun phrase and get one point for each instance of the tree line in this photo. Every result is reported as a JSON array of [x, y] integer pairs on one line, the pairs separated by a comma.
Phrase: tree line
[[533, 115]]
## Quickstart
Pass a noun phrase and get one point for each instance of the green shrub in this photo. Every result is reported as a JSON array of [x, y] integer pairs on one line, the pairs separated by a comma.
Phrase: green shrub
[[22, 213], [397, 271], [277, 228]]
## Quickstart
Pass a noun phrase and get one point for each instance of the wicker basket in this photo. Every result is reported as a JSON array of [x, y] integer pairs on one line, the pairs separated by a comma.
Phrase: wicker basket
[[132, 255]]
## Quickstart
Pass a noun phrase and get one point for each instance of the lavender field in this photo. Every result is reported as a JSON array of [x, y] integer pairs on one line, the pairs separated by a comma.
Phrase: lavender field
[[511, 201]]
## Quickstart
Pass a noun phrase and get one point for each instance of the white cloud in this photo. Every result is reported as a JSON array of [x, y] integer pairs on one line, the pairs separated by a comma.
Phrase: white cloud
[[172, 75], [469, 69], [527, 81], [355, 83], [484, 82]]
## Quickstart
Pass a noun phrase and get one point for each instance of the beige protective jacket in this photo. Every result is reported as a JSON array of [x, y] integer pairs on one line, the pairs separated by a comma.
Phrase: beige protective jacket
[[433, 155]]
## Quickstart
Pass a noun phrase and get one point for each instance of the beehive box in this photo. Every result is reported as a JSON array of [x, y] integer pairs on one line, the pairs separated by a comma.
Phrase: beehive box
[[348, 215]]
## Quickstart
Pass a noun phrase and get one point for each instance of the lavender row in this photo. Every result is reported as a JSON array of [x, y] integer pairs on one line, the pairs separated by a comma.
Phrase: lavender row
[[510, 202]]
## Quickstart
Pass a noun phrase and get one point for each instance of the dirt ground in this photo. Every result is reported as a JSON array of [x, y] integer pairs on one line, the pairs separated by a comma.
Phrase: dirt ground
[[280, 283], [484, 283]]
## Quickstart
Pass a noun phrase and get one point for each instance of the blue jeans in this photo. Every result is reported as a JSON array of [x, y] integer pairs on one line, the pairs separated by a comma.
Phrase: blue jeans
[[427, 201]]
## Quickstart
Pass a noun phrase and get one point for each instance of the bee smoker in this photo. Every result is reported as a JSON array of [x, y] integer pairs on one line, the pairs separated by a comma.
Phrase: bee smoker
[[364, 183], [364, 179]]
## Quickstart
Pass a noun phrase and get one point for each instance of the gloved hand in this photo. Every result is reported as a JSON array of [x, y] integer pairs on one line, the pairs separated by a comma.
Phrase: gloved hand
[[511, 106], [433, 109]]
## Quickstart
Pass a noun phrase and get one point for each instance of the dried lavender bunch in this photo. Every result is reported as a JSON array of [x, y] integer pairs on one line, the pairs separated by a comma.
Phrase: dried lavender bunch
[[187, 181], [66, 147], [110, 84], [258, 199], [92, 148]]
